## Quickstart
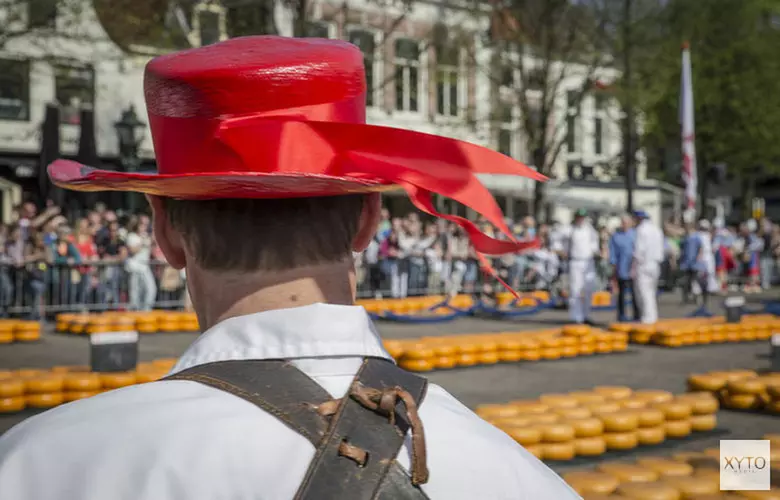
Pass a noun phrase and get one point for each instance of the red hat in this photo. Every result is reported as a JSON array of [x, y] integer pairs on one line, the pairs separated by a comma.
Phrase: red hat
[[273, 117]]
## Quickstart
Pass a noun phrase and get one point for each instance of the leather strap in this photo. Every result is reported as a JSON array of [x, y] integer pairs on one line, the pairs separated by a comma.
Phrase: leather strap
[[356, 447]]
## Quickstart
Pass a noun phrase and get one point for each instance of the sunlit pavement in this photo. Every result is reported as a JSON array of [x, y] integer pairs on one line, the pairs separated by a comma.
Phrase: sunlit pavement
[[641, 367]]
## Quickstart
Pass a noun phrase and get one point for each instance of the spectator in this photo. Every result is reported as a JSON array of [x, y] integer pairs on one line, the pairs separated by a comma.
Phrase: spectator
[[37, 256], [65, 277], [621, 255], [6, 282], [87, 249], [142, 287], [112, 251]]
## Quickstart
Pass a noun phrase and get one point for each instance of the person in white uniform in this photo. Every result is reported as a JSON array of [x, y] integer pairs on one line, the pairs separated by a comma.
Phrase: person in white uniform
[[582, 249], [289, 392], [648, 255]]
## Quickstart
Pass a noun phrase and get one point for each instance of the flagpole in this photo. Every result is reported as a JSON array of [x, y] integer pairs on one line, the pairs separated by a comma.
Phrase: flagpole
[[629, 153], [688, 136]]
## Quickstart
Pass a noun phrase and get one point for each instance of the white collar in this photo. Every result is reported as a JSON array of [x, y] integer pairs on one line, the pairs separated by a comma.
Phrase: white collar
[[313, 331]]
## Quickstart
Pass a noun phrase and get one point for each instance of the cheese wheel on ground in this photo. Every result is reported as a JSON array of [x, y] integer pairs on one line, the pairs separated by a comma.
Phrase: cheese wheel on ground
[[621, 440], [613, 392], [532, 355], [590, 446], [502, 422], [586, 349], [760, 495], [649, 417], [568, 341], [444, 362], [419, 353], [524, 435], [702, 423], [76, 395], [27, 336], [11, 387], [558, 451], [607, 407], [556, 433], [488, 357], [706, 382], [543, 418], [653, 396], [584, 397], [632, 404], [44, 384], [742, 401], [12, 404], [510, 356], [591, 482], [496, 411], [5, 374], [576, 330], [444, 350], [49, 400], [416, 365], [746, 386], [666, 467], [550, 353], [117, 380], [570, 352], [628, 473], [6, 337], [690, 486], [535, 450], [674, 410], [29, 372], [525, 406], [649, 491], [621, 421], [677, 428], [648, 436], [702, 403], [572, 413], [82, 382], [558, 400], [586, 427]]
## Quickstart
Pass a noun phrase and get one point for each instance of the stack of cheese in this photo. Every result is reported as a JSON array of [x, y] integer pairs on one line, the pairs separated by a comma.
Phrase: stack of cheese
[[741, 389], [700, 331], [687, 475], [587, 423], [13, 330], [418, 306], [122, 321], [428, 353], [32, 388]]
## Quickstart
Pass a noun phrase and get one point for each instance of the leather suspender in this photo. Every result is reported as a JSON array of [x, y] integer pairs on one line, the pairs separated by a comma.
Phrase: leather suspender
[[357, 437]]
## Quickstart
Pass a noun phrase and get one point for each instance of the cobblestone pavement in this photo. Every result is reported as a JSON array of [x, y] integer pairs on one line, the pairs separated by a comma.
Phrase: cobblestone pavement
[[642, 367]]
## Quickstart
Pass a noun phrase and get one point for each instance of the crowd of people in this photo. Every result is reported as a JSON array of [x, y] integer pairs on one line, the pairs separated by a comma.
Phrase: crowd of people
[[105, 260]]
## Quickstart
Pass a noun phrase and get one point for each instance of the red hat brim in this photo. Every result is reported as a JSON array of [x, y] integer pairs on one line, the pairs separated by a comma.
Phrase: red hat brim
[[209, 185]]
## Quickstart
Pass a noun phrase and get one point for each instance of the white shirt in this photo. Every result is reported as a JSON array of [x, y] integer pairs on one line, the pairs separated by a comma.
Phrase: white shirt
[[583, 242], [649, 244], [180, 440]]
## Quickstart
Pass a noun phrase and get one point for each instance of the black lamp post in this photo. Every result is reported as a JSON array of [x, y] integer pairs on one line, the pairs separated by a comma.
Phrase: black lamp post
[[129, 132]]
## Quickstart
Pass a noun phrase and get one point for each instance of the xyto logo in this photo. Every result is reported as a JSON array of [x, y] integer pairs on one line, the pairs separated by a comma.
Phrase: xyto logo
[[744, 464]]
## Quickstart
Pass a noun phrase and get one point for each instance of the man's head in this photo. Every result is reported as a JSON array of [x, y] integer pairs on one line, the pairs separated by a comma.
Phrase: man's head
[[247, 236], [704, 225], [580, 216], [626, 222]]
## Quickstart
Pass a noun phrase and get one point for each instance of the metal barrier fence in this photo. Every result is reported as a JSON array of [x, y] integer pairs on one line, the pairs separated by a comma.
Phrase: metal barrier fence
[[39, 290]]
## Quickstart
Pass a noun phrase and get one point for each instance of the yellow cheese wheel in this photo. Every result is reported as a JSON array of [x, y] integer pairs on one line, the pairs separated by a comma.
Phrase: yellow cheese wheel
[[649, 417], [535, 450], [496, 411], [535, 407], [702, 403], [706, 382], [11, 387], [653, 396], [6, 337], [556, 433], [621, 440], [558, 451], [649, 491], [27, 336], [525, 435], [568, 341], [621, 421], [547, 342], [742, 401], [586, 349], [488, 357], [48, 400], [586, 427], [543, 418], [733, 375], [550, 353], [76, 395], [78, 382], [165, 363], [701, 423], [117, 380], [632, 404], [576, 330], [444, 350], [613, 392], [591, 482], [570, 351], [29, 372], [45, 384], [419, 352], [573, 413], [628, 473], [444, 362], [677, 428], [12, 404], [746, 386], [606, 407], [532, 355], [619, 346], [691, 486], [465, 359], [505, 422], [773, 390], [674, 410], [5, 374], [510, 356], [558, 400], [666, 467], [648, 436], [590, 446], [584, 397], [603, 347]]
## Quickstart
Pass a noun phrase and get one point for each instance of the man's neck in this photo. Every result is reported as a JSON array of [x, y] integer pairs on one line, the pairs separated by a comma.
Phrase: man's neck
[[218, 296]]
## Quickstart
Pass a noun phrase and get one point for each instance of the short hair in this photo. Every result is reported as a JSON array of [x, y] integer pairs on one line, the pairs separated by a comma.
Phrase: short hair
[[252, 235]]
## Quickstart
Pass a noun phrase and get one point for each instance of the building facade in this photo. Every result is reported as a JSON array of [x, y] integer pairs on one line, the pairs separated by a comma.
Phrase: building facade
[[428, 68]]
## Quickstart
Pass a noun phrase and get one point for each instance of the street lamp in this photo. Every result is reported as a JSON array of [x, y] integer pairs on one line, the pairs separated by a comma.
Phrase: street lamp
[[129, 132]]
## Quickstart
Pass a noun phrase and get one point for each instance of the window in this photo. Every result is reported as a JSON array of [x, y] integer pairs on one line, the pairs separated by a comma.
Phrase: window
[[367, 44], [74, 91], [407, 74], [447, 76], [505, 141], [506, 132], [571, 133], [536, 78], [598, 134], [317, 29], [507, 76], [250, 19], [14, 90], [209, 27], [571, 99], [41, 13]]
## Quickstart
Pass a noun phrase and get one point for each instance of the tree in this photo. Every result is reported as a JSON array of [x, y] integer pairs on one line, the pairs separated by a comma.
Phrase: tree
[[735, 71]]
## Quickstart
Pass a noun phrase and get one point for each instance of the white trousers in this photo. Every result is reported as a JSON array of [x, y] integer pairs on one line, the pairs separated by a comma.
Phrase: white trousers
[[582, 281], [646, 289]]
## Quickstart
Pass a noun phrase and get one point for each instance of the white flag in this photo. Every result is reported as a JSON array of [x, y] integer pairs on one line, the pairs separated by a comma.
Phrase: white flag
[[689, 175]]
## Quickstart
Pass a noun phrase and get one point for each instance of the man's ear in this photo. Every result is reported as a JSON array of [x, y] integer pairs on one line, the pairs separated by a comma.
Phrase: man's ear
[[168, 239], [369, 220]]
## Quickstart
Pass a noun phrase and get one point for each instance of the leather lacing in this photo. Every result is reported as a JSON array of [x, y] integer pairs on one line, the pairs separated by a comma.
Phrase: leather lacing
[[384, 402]]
